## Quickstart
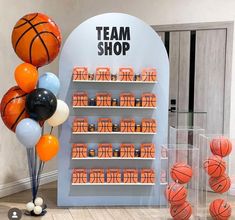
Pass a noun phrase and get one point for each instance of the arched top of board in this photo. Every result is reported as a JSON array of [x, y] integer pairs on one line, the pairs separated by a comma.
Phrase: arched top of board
[[114, 40]]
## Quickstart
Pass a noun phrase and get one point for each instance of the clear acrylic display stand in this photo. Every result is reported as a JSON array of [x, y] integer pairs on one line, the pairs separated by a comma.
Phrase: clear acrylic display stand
[[182, 153], [207, 195]]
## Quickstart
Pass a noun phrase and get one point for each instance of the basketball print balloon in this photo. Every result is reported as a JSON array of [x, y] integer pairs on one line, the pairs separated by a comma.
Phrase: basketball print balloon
[[220, 209], [176, 193], [221, 146], [181, 212], [36, 39], [181, 173], [215, 166], [13, 107], [220, 184]]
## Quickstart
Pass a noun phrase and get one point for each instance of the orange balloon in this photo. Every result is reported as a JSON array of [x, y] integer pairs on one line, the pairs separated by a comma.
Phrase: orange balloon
[[26, 76], [47, 147]]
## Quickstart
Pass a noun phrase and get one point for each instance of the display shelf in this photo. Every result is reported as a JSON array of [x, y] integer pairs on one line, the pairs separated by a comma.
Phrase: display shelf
[[113, 184], [113, 133], [113, 158], [113, 107], [119, 82]]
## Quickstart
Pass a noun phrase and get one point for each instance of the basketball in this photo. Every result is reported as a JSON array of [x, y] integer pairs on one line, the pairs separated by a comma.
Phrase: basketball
[[181, 212], [220, 184], [13, 107], [215, 166], [181, 173], [36, 39], [176, 193], [220, 209], [221, 146]]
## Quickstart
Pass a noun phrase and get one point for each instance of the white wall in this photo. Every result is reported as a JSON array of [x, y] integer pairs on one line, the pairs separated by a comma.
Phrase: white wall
[[68, 14]]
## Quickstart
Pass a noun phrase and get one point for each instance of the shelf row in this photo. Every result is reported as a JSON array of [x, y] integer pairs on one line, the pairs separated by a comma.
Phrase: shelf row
[[106, 125], [124, 74], [113, 176], [105, 99]]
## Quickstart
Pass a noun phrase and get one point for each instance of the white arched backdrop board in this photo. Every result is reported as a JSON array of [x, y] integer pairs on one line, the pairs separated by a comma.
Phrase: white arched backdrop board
[[80, 49]]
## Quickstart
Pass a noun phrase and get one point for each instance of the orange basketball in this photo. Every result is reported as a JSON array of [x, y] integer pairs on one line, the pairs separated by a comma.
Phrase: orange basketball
[[220, 184], [13, 107], [181, 212], [181, 173], [176, 193], [36, 39], [221, 146], [215, 166], [220, 209]]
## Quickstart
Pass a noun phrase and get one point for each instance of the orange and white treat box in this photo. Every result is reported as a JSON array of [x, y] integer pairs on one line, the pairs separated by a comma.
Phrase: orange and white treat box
[[130, 175], [147, 150], [103, 99], [105, 125], [147, 176], [79, 176], [80, 125], [127, 150], [127, 125], [79, 150], [149, 100], [126, 74], [149, 125], [103, 74], [80, 73], [127, 99], [96, 175], [80, 99], [113, 176], [105, 150]]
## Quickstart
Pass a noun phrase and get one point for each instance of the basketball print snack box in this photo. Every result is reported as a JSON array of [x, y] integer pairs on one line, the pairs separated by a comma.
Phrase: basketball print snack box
[[103, 99], [149, 126], [149, 74], [127, 150], [80, 125], [126, 74], [105, 150], [96, 175], [130, 175], [80, 99], [80, 73], [105, 125], [103, 74], [127, 99], [79, 176], [127, 125], [147, 150], [147, 176], [79, 150], [113, 176], [149, 100]]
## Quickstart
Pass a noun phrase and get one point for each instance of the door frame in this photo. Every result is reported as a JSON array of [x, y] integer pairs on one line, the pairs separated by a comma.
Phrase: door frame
[[228, 26]]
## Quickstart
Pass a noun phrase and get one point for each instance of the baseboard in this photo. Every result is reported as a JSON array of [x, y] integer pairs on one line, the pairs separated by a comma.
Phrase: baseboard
[[23, 184]]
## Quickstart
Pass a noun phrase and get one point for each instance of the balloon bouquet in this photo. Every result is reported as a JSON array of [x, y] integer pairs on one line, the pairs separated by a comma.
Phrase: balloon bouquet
[[25, 108]]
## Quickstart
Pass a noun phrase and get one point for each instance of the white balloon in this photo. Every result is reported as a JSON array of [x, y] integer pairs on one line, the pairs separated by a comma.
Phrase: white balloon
[[60, 115], [38, 201], [37, 210], [30, 206]]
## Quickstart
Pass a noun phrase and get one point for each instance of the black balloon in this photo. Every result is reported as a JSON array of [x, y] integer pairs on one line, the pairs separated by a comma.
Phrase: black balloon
[[41, 104]]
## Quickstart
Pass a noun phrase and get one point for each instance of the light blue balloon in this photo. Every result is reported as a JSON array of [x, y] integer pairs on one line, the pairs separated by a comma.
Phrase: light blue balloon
[[49, 81], [28, 132]]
